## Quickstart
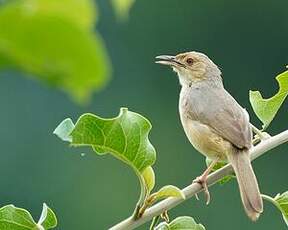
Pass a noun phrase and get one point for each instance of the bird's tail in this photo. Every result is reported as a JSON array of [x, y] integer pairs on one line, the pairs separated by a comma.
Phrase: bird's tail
[[247, 182]]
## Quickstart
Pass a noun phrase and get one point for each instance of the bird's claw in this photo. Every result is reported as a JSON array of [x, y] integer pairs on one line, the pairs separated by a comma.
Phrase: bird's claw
[[203, 182]]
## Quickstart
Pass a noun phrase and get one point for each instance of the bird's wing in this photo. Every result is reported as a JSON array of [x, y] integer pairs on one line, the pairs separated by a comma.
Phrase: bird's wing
[[232, 123], [224, 115]]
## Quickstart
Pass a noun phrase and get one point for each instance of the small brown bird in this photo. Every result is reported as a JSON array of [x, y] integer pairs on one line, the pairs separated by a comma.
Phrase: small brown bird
[[215, 124]]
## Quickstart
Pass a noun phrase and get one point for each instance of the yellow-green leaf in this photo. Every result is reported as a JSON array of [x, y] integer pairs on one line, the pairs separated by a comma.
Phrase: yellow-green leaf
[[266, 109], [149, 178], [169, 191]]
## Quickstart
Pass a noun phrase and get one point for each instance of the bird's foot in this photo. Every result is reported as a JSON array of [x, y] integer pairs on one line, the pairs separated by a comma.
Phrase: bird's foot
[[202, 180]]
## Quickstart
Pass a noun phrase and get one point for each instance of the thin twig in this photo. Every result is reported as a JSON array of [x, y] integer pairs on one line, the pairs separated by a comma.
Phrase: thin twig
[[260, 134], [195, 188], [256, 130]]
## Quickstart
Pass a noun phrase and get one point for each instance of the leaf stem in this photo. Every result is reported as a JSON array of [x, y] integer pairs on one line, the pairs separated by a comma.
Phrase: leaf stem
[[271, 200], [191, 190], [142, 197], [257, 131]]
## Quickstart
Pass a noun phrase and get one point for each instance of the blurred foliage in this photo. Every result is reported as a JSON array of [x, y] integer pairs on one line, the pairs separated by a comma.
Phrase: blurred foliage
[[13, 218], [122, 8], [54, 41], [266, 109]]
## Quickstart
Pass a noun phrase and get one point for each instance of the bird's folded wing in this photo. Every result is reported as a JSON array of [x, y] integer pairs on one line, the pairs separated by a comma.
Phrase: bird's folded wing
[[233, 125], [225, 116]]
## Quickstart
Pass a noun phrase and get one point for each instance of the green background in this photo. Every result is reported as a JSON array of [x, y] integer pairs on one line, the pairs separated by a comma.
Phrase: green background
[[247, 39]]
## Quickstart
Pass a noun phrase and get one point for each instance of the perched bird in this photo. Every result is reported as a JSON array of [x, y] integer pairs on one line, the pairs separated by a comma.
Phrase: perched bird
[[215, 124]]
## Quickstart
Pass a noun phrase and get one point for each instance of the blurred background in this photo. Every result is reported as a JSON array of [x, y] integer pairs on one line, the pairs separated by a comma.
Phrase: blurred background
[[247, 39]]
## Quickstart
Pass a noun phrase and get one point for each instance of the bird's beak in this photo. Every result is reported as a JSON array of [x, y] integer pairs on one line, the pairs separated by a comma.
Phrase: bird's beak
[[168, 60]]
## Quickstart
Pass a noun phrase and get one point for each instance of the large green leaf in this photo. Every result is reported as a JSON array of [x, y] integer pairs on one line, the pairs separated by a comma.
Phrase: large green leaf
[[13, 218], [122, 8], [266, 109], [53, 41], [125, 137], [180, 223]]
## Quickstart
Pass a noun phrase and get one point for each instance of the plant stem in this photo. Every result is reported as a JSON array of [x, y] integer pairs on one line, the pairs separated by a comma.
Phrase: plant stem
[[195, 188]]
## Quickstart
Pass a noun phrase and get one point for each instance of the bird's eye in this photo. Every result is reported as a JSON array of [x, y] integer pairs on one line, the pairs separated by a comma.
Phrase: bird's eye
[[189, 61]]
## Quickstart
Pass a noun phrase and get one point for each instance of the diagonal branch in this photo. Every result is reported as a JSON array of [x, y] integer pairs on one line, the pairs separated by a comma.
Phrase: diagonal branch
[[193, 189]]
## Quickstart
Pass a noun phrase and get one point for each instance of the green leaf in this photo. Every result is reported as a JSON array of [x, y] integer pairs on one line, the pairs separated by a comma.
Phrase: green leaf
[[122, 8], [266, 109], [13, 218], [169, 191], [282, 201], [149, 178], [181, 223], [53, 41], [125, 137], [48, 218]]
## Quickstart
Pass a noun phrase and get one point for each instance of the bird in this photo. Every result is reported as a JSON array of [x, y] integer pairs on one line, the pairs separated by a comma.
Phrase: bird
[[215, 124]]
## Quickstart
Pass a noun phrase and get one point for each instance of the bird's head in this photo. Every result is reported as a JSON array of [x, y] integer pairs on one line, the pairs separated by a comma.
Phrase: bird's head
[[191, 67]]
